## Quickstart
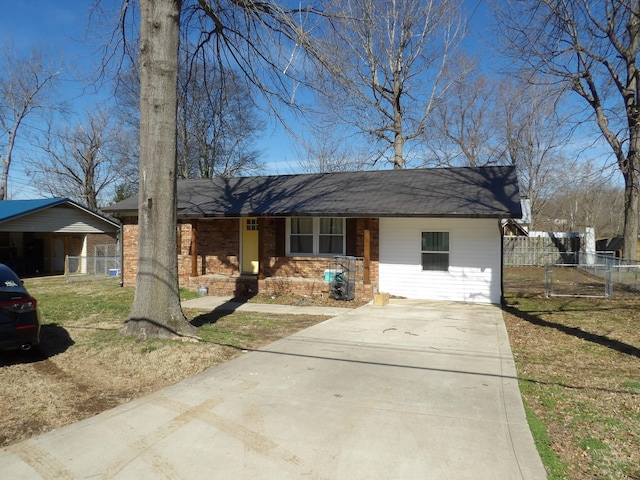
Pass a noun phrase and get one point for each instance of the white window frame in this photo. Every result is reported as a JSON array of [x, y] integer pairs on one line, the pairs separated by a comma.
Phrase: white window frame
[[316, 239], [448, 251]]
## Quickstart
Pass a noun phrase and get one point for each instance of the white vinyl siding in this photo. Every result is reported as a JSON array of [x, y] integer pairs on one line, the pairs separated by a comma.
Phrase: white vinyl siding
[[474, 273], [59, 219]]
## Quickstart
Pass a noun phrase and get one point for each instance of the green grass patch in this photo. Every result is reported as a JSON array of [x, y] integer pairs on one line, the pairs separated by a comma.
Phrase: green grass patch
[[556, 469], [632, 385], [186, 294], [92, 313], [594, 446]]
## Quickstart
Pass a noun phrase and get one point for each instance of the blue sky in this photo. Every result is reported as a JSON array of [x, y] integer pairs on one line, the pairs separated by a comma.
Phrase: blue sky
[[61, 27]]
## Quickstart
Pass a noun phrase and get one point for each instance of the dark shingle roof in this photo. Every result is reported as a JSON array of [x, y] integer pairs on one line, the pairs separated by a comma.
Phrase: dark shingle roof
[[439, 192]]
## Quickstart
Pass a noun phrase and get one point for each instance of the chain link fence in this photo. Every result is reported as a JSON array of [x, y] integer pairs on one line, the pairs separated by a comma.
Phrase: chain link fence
[[572, 271], [599, 279], [84, 268]]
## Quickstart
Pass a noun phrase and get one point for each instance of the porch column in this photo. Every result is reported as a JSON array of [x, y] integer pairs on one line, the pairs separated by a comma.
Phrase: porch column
[[261, 259], [194, 248], [367, 254], [51, 248]]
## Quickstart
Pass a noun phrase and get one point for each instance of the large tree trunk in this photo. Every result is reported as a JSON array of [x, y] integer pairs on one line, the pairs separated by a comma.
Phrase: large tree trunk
[[631, 173], [6, 163], [156, 310], [631, 216]]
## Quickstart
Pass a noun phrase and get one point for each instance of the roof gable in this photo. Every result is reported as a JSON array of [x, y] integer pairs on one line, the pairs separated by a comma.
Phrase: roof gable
[[16, 208], [462, 192], [53, 214]]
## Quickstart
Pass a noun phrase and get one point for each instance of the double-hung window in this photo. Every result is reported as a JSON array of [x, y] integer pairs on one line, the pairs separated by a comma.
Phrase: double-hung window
[[435, 251], [316, 236], [301, 236]]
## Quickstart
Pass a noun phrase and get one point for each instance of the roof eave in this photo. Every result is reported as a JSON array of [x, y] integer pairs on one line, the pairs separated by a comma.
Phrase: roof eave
[[497, 215]]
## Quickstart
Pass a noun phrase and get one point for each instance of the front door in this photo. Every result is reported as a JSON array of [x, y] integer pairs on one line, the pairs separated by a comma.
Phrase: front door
[[250, 241]]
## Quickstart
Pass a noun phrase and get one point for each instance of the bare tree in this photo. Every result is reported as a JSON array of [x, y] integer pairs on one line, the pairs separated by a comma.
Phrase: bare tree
[[463, 129], [156, 310], [218, 123], [383, 65], [26, 86], [532, 135], [82, 163], [586, 198], [592, 49], [238, 31], [485, 122], [325, 150]]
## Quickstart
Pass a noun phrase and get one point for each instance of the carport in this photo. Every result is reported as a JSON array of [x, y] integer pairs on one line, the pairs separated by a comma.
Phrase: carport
[[37, 235]]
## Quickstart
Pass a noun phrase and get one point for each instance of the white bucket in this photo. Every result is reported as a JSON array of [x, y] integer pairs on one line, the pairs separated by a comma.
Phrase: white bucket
[[203, 290]]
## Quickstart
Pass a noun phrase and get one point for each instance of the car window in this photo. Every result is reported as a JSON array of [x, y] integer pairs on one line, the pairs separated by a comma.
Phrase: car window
[[9, 281]]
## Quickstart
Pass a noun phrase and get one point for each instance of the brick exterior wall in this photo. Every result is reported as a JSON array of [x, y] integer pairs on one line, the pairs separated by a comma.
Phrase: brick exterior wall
[[218, 246], [129, 250], [94, 239]]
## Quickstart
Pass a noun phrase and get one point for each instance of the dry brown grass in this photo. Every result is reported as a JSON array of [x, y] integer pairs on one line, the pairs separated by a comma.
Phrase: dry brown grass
[[86, 367], [578, 361]]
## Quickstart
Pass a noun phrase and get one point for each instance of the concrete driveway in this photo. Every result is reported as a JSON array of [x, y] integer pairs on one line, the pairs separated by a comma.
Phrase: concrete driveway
[[411, 390]]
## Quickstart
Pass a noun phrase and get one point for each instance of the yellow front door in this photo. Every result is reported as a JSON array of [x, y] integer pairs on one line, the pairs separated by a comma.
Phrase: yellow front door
[[250, 245]]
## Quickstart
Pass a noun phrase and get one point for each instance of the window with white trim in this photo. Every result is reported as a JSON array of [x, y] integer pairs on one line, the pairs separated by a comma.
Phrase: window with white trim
[[321, 236], [435, 251]]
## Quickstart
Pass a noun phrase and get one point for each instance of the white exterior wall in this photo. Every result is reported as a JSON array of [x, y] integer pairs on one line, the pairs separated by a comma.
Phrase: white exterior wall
[[474, 260]]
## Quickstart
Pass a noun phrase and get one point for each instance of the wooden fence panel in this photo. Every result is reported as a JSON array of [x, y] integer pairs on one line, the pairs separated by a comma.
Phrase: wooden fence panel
[[540, 251]]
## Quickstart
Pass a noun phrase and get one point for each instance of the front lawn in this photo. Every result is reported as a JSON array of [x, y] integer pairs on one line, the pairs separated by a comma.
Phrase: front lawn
[[87, 367], [578, 361]]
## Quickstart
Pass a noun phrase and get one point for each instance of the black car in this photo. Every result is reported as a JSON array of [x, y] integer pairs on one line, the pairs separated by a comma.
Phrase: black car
[[19, 325]]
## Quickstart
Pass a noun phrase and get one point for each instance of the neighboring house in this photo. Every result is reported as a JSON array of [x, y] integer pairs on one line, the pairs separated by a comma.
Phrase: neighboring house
[[518, 227], [37, 235], [424, 233], [512, 228], [615, 246]]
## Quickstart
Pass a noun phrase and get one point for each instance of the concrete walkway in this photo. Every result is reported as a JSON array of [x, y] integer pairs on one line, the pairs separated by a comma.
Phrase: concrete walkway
[[411, 390], [223, 304]]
